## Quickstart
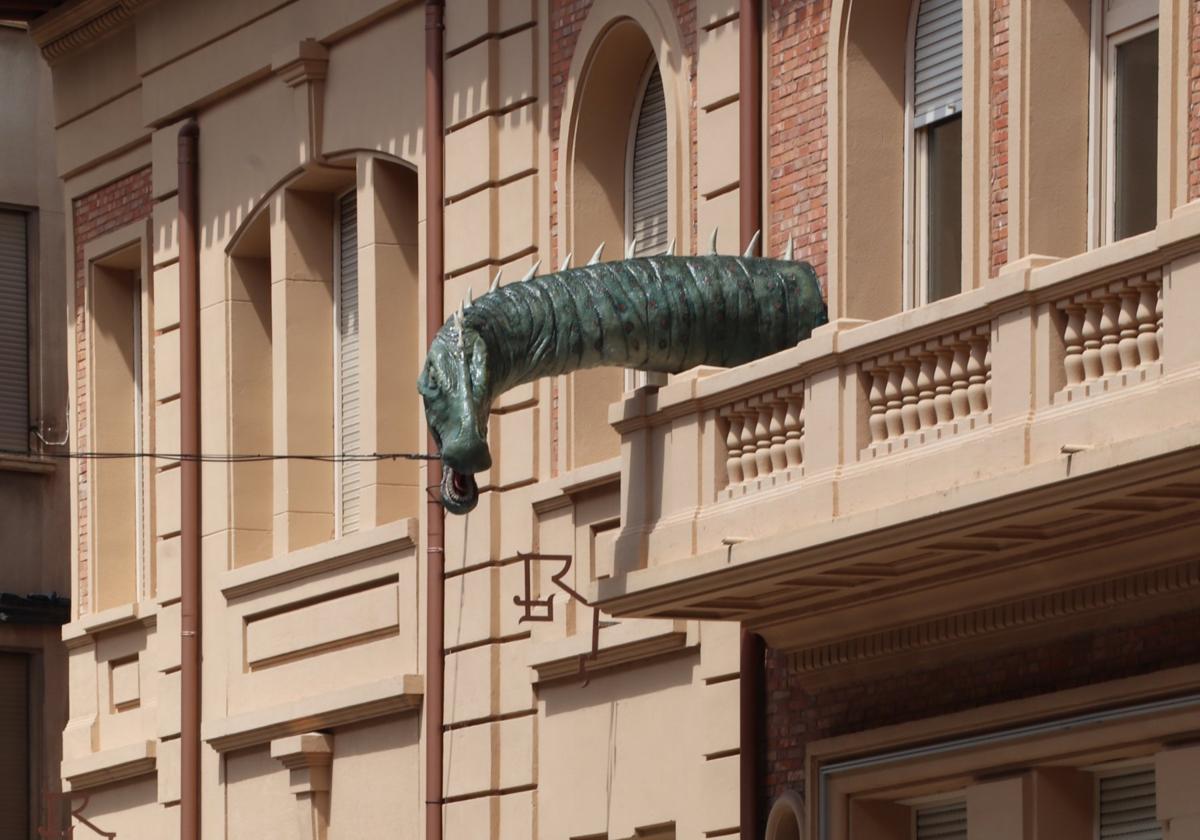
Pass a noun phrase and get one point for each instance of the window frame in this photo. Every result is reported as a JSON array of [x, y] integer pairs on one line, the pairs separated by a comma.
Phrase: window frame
[[634, 378], [1111, 27], [915, 232], [97, 255]]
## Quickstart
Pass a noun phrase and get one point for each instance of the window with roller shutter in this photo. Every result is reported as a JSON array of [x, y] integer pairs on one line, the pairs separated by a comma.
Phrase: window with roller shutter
[[941, 822], [14, 331], [935, 109], [1126, 808], [347, 398], [647, 199]]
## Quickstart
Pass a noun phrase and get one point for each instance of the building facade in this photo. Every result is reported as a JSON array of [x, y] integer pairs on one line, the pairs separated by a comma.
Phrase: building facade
[[959, 515], [34, 483]]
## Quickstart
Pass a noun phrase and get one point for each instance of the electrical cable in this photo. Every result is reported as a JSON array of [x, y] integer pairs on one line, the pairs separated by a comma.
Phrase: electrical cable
[[232, 458]]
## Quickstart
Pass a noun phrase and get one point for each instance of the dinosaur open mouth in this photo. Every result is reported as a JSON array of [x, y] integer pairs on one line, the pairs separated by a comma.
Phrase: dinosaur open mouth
[[460, 493]]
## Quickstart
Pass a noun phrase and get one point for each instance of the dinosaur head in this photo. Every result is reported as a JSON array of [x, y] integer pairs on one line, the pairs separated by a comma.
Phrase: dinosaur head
[[457, 394]]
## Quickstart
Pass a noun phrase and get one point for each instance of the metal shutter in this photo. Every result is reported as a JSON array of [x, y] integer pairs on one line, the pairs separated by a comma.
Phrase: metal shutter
[[348, 389], [648, 171], [1127, 808], [14, 333], [942, 822], [14, 746], [937, 61]]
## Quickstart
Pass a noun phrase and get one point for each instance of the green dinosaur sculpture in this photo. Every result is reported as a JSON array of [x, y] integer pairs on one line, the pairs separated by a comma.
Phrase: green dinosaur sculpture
[[661, 313]]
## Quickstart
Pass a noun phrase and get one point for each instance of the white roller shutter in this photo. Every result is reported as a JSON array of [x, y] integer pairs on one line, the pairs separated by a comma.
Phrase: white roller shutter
[[648, 171], [348, 385], [1127, 807], [14, 332], [937, 61], [942, 822]]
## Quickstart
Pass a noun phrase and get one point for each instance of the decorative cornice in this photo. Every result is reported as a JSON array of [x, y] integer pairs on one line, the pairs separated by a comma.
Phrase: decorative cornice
[[77, 25], [1000, 618], [568, 667]]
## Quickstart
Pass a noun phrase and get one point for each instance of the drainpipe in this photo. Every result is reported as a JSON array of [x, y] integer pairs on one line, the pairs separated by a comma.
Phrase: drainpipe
[[750, 120], [189, 405], [435, 583], [752, 710]]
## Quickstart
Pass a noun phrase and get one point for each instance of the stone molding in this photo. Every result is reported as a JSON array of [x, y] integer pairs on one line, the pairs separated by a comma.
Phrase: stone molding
[[326, 711], [108, 766], [993, 620], [78, 25]]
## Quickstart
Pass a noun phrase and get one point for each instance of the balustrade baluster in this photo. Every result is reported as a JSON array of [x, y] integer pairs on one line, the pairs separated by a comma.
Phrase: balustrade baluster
[[1158, 315], [909, 414], [1147, 321], [778, 455], [749, 442], [895, 425], [1110, 335], [792, 429], [958, 381], [987, 374], [1073, 339], [976, 390], [733, 446], [803, 431], [876, 420], [925, 409], [1127, 328], [1093, 368], [942, 404]]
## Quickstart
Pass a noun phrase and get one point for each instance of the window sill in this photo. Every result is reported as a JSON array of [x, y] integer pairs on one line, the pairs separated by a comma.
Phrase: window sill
[[37, 464]]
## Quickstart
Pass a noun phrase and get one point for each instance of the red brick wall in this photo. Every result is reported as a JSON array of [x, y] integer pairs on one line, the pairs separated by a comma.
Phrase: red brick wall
[[998, 209], [111, 207], [796, 716], [797, 185]]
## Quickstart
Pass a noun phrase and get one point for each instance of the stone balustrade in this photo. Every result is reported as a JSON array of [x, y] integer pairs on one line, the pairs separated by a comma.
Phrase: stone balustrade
[[1112, 335], [1050, 358], [930, 390], [764, 437]]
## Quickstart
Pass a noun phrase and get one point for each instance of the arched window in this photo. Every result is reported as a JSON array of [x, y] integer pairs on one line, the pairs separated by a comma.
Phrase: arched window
[[935, 111], [646, 203]]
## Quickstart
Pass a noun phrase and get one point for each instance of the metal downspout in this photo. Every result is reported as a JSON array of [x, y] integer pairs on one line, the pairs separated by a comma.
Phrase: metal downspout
[[189, 404], [752, 710], [435, 582]]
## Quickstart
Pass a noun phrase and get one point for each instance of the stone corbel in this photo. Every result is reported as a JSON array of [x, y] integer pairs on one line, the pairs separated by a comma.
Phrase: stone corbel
[[302, 67], [309, 760]]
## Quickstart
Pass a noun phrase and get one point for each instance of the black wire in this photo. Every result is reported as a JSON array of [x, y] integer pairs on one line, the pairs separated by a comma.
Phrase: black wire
[[232, 458]]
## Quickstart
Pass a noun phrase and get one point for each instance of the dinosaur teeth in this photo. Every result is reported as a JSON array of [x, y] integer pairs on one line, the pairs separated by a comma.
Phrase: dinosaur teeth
[[630, 247], [529, 275], [596, 256], [670, 252], [791, 250], [753, 244], [712, 247], [566, 263], [468, 300], [496, 281]]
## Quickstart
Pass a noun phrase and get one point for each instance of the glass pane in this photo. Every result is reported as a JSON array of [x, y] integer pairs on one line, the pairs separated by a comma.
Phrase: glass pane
[[1135, 136], [944, 197]]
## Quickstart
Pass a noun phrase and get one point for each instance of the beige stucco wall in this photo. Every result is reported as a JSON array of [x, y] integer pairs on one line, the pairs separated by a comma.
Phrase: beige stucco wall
[[304, 632], [34, 519], [308, 635]]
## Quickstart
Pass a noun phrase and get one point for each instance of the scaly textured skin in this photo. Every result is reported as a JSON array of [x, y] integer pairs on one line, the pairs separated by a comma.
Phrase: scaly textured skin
[[661, 313]]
